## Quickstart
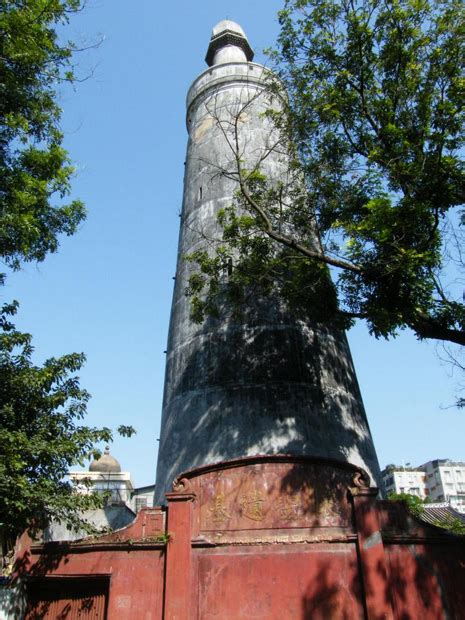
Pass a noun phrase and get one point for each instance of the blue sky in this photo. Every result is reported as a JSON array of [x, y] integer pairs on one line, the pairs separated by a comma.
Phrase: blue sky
[[107, 291]]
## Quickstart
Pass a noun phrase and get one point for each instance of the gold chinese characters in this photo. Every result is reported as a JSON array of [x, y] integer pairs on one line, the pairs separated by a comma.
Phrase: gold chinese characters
[[253, 505]]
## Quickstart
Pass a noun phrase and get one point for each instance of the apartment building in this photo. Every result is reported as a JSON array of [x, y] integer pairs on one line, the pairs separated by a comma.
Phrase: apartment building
[[405, 480], [445, 480], [441, 480]]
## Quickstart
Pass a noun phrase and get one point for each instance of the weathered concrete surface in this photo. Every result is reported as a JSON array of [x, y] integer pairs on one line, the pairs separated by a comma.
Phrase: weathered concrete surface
[[270, 383], [109, 517]]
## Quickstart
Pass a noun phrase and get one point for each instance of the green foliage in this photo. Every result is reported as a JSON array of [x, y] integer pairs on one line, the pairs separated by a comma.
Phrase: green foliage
[[41, 407], [414, 503], [452, 524], [376, 112], [416, 507], [126, 431], [41, 435], [373, 128], [35, 170], [162, 538], [248, 264]]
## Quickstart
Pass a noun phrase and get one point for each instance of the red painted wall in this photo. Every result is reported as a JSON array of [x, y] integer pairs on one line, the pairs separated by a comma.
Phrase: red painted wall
[[131, 559], [267, 538], [316, 581]]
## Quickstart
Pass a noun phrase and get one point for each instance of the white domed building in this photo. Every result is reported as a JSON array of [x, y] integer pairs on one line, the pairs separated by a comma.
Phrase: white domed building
[[105, 476]]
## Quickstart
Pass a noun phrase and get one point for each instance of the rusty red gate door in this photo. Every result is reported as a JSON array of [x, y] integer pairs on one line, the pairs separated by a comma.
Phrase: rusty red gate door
[[70, 598]]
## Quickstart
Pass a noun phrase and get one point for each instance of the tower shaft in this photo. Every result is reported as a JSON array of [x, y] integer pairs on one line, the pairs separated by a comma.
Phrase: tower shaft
[[269, 383]]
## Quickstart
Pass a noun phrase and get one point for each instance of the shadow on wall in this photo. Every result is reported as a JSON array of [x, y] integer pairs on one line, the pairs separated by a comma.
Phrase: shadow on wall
[[414, 590], [326, 580], [60, 598], [42, 594], [53, 555], [331, 594], [16, 590], [423, 580], [275, 387], [12, 600]]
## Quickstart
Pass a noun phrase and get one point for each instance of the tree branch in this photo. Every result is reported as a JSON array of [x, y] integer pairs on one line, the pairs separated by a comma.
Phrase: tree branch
[[289, 241], [427, 327]]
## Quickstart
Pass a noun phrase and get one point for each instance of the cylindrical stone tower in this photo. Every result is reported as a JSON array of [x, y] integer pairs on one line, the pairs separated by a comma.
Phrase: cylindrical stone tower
[[269, 383]]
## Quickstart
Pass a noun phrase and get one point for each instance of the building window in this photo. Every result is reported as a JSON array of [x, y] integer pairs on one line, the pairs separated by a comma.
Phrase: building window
[[141, 502]]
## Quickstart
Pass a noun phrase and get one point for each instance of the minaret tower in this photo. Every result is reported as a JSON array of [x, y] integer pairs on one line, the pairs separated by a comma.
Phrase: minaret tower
[[269, 383]]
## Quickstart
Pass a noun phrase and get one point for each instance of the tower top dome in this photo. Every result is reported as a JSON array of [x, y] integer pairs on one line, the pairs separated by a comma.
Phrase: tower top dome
[[228, 43], [106, 463], [227, 24]]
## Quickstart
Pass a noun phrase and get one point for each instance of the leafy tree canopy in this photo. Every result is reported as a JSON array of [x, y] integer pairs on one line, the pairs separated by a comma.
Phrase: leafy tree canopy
[[40, 435], [375, 123], [41, 407], [35, 170]]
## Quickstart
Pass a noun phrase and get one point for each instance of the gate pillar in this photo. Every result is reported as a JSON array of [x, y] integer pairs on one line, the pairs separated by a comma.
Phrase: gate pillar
[[373, 565], [179, 555]]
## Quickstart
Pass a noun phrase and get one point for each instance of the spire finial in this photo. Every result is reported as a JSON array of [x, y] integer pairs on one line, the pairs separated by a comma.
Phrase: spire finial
[[228, 44]]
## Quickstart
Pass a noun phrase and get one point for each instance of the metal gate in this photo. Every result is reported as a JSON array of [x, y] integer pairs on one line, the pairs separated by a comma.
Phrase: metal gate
[[67, 598]]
